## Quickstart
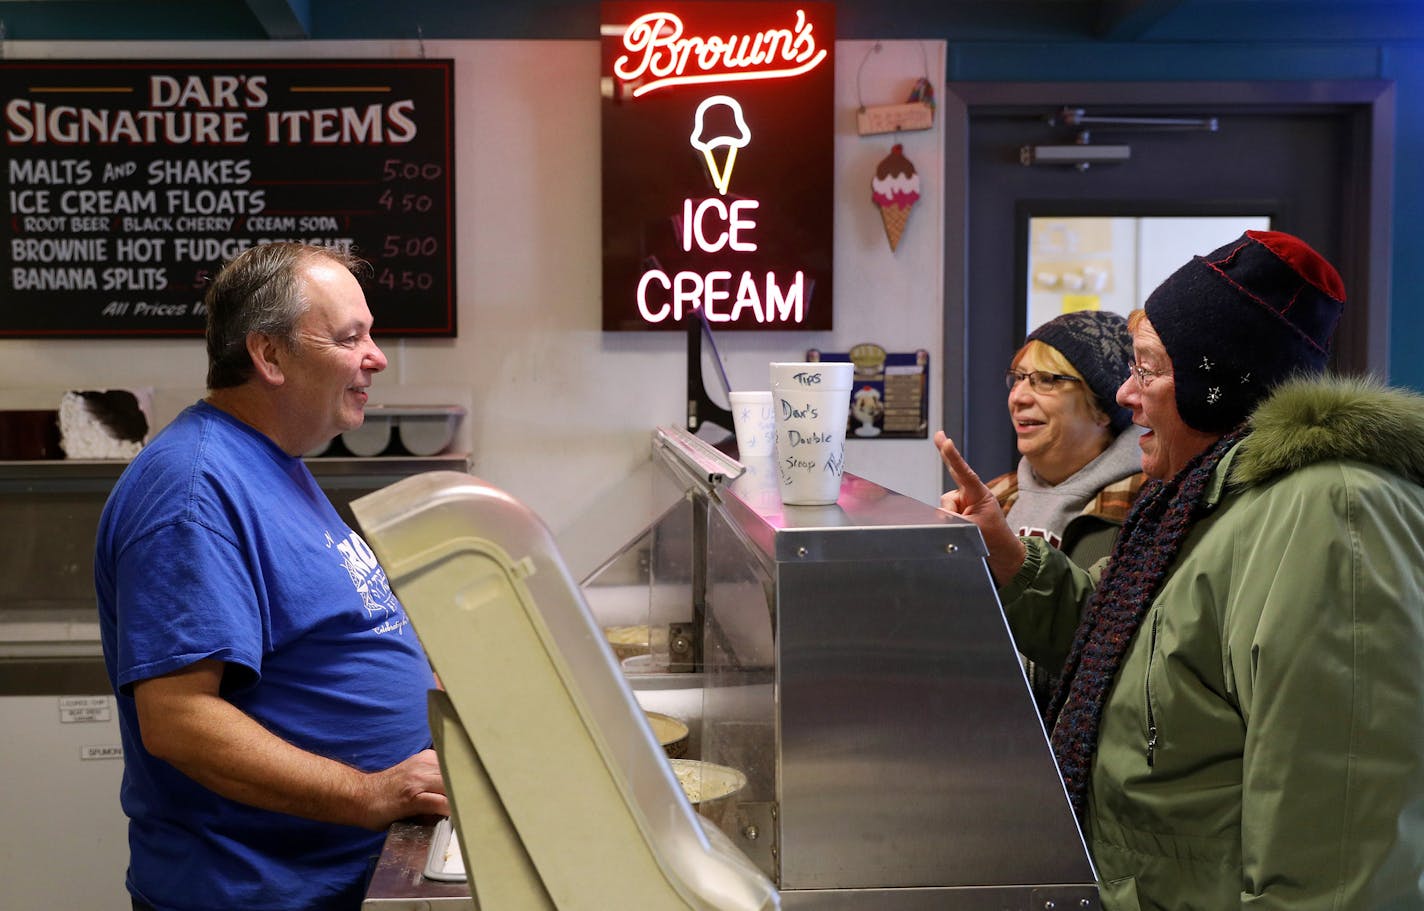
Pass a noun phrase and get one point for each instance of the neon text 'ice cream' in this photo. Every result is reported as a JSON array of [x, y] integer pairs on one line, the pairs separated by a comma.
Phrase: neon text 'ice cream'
[[721, 176], [656, 48], [713, 225]]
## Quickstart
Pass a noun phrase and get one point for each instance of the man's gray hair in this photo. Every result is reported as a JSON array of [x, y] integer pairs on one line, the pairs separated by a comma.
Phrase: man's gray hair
[[260, 290]]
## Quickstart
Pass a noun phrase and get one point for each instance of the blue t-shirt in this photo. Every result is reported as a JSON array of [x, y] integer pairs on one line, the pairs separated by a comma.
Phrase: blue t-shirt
[[216, 544]]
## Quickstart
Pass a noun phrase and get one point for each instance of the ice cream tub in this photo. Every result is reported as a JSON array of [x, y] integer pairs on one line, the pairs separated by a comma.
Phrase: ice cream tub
[[711, 788]]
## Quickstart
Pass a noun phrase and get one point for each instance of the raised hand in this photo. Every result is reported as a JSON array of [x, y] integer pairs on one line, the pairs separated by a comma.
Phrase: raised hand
[[972, 500]]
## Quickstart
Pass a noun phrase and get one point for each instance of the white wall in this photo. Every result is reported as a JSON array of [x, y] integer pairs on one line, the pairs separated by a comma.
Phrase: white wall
[[558, 409]]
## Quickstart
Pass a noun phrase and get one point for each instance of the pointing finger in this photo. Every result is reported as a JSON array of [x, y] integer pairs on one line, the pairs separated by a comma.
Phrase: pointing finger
[[964, 477]]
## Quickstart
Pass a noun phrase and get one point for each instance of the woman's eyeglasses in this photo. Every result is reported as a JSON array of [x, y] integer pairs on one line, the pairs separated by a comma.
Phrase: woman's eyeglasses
[[1144, 375], [1038, 380]]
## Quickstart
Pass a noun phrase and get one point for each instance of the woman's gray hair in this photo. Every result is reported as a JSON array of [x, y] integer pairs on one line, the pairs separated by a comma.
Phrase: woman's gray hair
[[260, 290]]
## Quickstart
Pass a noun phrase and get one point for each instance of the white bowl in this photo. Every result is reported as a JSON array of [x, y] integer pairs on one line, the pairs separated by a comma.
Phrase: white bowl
[[427, 434], [371, 438]]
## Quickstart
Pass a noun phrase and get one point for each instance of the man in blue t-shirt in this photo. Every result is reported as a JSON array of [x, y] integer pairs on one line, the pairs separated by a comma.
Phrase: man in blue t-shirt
[[271, 690]]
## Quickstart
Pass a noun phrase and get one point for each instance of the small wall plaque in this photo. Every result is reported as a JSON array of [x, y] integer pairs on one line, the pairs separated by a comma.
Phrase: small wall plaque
[[890, 399], [891, 118]]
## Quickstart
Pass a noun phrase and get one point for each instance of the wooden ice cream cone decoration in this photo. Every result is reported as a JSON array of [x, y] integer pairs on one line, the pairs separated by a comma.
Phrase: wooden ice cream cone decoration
[[894, 190]]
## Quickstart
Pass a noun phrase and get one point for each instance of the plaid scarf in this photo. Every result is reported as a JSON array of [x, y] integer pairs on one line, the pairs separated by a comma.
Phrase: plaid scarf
[[1151, 537]]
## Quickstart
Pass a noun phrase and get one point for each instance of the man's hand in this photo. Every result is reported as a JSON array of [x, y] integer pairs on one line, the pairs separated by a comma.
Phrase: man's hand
[[411, 788], [972, 500]]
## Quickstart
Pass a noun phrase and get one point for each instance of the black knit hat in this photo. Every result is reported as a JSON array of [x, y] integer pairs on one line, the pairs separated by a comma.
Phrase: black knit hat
[[1241, 319], [1098, 345]]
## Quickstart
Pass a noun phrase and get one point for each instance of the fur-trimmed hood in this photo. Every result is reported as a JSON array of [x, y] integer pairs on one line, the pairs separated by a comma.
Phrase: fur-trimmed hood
[[1310, 420]]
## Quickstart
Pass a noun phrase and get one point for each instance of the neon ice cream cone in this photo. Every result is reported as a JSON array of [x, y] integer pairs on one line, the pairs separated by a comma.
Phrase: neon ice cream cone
[[721, 176], [894, 190], [732, 141]]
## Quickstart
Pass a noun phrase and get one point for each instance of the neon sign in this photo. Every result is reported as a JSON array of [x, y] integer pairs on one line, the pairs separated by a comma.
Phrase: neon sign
[[718, 188], [662, 52]]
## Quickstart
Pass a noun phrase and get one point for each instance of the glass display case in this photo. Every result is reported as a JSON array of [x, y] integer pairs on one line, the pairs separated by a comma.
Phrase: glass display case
[[853, 663], [860, 731]]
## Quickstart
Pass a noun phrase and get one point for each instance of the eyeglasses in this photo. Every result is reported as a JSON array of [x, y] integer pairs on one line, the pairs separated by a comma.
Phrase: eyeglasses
[[1038, 380], [1145, 376]]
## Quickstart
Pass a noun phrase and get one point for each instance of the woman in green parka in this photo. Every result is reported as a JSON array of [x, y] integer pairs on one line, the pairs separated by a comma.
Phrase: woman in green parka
[[1241, 717]]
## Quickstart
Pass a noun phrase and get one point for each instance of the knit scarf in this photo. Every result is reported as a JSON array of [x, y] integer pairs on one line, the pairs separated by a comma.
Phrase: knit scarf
[[1151, 536]]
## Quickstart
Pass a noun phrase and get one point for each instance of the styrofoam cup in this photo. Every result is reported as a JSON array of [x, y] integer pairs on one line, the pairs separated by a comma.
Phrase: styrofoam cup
[[754, 422], [811, 401], [757, 486]]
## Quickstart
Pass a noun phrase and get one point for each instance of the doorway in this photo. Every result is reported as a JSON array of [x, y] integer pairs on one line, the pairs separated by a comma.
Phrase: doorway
[[1313, 157]]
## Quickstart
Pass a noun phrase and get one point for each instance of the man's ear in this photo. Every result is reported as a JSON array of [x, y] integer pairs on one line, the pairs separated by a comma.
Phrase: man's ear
[[267, 352]]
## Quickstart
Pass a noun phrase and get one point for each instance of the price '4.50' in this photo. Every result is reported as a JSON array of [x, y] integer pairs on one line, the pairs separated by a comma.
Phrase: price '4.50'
[[405, 280], [405, 202]]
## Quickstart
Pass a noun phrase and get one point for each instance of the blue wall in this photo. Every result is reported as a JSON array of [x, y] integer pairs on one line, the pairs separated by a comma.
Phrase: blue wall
[[1005, 40], [1405, 67]]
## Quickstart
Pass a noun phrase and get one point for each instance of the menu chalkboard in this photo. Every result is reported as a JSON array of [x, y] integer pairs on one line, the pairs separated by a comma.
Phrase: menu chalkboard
[[129, 183]]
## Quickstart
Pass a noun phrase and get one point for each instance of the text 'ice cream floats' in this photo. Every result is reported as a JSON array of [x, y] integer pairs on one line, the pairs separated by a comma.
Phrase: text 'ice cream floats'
[[895, 189]]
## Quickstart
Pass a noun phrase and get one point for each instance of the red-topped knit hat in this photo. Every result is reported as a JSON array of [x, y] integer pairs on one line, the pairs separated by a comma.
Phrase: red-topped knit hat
[[1240, 320]]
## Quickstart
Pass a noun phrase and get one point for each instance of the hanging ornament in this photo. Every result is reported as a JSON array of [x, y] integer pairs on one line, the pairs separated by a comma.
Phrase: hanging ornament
[[895, 189]]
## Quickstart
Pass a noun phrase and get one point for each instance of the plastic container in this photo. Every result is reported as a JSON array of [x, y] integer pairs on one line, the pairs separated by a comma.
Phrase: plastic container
[[426, 430], [372, 438]]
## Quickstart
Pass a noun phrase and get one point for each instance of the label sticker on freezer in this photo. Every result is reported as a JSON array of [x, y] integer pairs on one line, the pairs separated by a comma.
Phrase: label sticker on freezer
[[104, 752], [84, 709]]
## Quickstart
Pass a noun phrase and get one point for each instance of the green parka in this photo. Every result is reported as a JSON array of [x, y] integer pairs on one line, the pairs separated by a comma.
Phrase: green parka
[[1263, 743]]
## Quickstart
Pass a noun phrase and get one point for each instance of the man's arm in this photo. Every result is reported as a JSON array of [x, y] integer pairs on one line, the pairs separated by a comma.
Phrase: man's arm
[[185, 721]]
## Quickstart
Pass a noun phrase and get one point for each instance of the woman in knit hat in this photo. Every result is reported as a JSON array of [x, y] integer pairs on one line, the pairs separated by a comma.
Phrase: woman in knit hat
[[1240, 720], [1080, 468], [1079, 471]]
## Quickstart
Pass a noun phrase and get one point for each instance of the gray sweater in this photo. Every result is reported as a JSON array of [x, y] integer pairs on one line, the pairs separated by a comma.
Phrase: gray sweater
[[1043, 510]]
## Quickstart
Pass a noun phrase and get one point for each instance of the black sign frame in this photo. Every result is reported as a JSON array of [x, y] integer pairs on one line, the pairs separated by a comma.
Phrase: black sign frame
[[129, 183], [664, 149]]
